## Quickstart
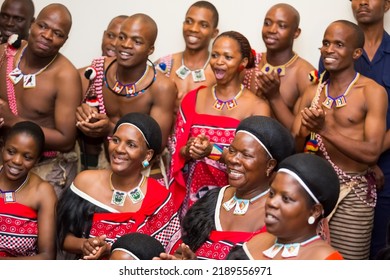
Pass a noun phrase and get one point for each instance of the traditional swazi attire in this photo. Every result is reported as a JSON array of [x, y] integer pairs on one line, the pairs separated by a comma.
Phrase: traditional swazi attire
[[207, 233], [190, 180], [18, 230], [86, 217]]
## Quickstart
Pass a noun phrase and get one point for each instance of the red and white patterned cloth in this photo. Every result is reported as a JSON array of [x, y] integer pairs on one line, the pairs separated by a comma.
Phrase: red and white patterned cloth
[[18, 230]]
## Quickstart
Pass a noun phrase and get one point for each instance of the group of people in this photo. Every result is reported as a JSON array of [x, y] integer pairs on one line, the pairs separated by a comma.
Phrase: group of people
[[210, 153]]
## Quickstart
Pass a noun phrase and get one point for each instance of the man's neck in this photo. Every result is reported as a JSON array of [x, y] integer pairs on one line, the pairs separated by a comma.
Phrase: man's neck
[[279, 57], [195, 59], [373, 35]]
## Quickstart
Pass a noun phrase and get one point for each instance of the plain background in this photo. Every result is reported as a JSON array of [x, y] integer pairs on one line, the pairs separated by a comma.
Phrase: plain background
[[91, 17]]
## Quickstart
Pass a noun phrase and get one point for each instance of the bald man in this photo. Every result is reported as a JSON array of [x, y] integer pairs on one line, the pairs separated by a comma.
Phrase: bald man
[[39, 84], [132, 84], [110, 36], [347, 114], [281, 75], [16, 17]]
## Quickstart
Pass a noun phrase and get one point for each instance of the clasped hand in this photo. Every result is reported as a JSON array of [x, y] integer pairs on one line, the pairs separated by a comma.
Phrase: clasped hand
[[198, 147], [90, 122]]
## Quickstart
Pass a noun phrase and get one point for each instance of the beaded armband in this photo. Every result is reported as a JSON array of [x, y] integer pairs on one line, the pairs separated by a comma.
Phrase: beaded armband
[[216, 152]]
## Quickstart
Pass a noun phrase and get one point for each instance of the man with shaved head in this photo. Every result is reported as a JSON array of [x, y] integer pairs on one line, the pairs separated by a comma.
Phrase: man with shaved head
[[16, 17], [281, 76], [346, 114], [127, 83], [39, 84]]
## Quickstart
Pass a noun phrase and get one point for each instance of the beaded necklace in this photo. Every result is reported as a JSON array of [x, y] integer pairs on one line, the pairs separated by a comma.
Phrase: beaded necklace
[[10, 196], [130, 88], [230, 104], [280, 69], [29, 80], [241, 205], [289, 250], [136, 195], [197, 75], [340, 100]]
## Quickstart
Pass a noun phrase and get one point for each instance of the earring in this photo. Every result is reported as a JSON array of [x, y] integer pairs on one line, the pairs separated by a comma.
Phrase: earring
[[311, 220], [267, 172], [145, 163], [240, 68]]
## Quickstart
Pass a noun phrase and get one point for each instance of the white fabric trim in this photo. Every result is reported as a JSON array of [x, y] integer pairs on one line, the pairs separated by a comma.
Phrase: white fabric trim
[[258, 140], [300, 181], [91, 199], [246, 250], [217, 212]]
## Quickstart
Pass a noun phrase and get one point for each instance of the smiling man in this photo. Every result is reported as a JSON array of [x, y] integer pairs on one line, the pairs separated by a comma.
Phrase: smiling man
[[347, 113], [190, 68], [16, 17], [281, 75], [39, 84], [127, 83]]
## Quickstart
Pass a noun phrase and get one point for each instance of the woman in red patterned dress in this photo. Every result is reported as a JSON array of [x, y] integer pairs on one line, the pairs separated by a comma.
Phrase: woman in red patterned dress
[[207, 119], [27, 203], [102, 205]]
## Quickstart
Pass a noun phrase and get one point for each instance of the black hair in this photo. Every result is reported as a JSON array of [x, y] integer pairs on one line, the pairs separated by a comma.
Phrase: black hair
[[245, 46], [209, 6], [31, 129]]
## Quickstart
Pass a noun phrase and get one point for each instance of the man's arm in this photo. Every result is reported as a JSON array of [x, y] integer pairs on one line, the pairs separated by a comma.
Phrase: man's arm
[[367, 150], [162, 110], [62, 137]]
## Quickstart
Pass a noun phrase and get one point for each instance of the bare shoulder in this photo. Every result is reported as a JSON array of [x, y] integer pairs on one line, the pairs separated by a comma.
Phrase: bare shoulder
[[318, 251], [370, 86], [90, 179], [43, 189], [256, 105], [163, 85], [304, 65], [260, 241]]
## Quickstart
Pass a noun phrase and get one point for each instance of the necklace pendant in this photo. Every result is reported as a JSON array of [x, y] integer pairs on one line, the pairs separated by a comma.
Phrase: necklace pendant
[[328, 103], [218, 105], [15, 76], [341, 101], [231, 104], [281, 70], [242, 206], [229, 204], [118, 198], [29, 81], [291, 250], [9, 197], [118, 87], [182, 72], [130, 90], [198, 75], [267, 68], [273, 251], [136, 195]]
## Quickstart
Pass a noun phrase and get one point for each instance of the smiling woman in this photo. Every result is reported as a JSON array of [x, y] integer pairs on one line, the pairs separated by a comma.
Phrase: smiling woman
[[229, 216], [27, 203], [102, 205], [304, 191]]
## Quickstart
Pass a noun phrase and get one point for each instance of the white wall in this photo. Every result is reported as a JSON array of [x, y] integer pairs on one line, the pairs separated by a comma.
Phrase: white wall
[[90, 17]]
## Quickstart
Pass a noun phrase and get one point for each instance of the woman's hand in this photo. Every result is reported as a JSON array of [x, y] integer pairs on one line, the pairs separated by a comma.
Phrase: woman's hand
[[95, 248]]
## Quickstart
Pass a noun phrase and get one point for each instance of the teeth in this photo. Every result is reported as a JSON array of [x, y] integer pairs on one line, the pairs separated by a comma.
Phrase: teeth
[[234, 172], [192, 39], [329, 59]]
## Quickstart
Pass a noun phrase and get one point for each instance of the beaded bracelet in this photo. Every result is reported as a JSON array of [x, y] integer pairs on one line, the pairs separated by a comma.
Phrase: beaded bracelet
[[216, 152]]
